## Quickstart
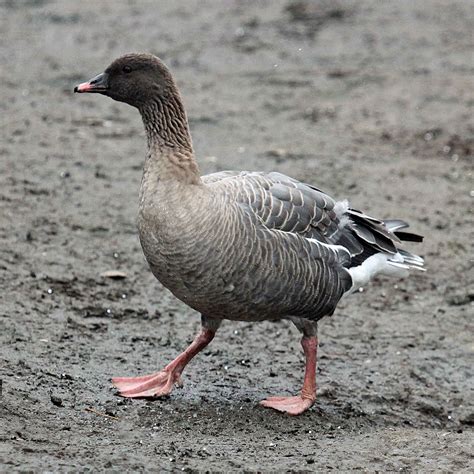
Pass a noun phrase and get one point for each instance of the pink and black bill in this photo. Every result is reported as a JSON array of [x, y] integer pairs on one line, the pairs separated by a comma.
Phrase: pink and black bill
[[98, 84]]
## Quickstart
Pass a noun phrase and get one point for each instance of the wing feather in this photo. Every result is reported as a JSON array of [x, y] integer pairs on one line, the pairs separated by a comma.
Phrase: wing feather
[[284, 204]]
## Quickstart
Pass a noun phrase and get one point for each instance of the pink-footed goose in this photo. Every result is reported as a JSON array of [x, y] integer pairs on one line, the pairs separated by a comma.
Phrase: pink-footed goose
[[245, 246]]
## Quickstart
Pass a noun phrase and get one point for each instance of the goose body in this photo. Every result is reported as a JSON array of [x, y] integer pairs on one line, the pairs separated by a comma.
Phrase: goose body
[[246, 246], [230, 263]]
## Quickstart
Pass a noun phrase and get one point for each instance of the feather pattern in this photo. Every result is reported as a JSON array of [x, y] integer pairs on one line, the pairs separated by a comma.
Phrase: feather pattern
[[244, 245], [286, 204], [293, 214], [241, 245]]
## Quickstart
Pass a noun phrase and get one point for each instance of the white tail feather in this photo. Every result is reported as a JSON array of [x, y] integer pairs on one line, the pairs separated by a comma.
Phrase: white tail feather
[[396, 265]]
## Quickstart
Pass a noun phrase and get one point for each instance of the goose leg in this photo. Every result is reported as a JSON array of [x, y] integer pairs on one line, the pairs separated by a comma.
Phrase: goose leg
[[161, 383], [300, 403]]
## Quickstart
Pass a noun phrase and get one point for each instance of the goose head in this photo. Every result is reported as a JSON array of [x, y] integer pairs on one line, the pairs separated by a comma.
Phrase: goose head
[[135, 79]]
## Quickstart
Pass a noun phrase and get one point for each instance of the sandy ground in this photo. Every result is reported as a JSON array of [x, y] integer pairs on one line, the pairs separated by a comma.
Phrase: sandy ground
[[366, 99]]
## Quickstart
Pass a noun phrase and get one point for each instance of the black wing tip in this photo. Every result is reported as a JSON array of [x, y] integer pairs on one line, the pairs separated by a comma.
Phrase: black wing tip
[[409, 236]]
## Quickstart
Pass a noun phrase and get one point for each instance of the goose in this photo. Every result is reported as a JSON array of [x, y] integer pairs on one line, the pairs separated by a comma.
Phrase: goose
[[241, 245]]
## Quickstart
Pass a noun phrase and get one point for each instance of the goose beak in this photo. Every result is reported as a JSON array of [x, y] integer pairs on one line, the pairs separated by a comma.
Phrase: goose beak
[[98, 84]]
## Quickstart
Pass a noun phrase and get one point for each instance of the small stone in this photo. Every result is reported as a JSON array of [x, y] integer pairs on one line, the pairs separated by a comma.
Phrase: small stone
[[277, 153], [460, 299], [114, 274], [57, 401], [468, 419]]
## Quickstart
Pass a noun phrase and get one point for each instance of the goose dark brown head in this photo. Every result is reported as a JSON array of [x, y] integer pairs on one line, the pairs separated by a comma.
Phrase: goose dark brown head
[[135, 79]]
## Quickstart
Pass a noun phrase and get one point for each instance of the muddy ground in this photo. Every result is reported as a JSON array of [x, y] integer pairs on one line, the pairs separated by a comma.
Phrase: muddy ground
[[368, 100]]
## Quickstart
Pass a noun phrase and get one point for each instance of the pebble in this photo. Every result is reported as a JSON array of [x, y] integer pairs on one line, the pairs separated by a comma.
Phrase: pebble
[[57, 401]]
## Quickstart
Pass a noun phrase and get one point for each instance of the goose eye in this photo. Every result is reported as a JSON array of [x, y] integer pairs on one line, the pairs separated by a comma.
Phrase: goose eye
[[127, 69]]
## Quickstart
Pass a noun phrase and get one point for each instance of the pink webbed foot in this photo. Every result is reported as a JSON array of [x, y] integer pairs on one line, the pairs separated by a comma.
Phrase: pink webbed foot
[[300, 403], [161, 383], [154, 385], [291, 405]]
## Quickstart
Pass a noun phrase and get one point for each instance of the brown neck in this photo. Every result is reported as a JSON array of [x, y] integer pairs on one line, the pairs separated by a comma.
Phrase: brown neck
[[170, 149]]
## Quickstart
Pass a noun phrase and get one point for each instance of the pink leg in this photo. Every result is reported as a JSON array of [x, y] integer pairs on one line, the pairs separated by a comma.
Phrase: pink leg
[[161, 383], [304, 401]]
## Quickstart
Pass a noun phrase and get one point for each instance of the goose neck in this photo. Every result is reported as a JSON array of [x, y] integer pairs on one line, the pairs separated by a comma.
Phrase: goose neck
[[170, 149]]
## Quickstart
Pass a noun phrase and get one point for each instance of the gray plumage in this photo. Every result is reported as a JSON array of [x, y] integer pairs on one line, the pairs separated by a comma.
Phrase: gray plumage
[[248, 246], [241, 245], [253, 246], [238, 245]]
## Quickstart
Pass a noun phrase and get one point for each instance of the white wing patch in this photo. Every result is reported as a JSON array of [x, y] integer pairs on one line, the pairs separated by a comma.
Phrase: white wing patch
[[340, 208]]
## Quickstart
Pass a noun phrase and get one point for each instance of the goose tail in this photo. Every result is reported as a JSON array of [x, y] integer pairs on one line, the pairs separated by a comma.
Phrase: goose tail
[[382, 254]]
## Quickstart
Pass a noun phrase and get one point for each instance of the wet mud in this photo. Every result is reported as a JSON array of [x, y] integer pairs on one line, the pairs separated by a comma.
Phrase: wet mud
[[367, 100]]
